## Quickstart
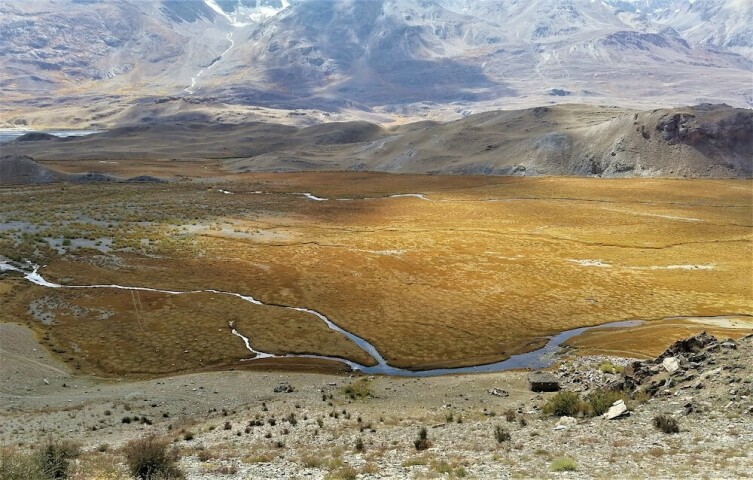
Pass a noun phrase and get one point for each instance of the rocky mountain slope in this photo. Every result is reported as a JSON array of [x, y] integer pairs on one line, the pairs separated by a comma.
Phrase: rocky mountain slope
[[84, 63], [700, 141]]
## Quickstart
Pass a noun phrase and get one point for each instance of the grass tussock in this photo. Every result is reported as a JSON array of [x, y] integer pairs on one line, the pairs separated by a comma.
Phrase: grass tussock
[[563, 464], [666, 424], [572, 404], [501, 434], [359, 389], [150, 458]]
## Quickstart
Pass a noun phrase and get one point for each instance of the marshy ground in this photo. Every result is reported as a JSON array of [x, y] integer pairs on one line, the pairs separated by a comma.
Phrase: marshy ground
[[433, 271]]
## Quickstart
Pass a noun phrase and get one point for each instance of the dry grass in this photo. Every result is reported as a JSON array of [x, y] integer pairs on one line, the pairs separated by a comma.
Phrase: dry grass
[[456, 280]]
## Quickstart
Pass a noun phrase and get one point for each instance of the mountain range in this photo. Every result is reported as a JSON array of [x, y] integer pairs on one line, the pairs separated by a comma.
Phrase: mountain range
[[100, 64]]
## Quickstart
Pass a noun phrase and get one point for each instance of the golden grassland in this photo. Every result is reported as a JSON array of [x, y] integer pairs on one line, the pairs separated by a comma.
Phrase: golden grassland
[[487, 267]]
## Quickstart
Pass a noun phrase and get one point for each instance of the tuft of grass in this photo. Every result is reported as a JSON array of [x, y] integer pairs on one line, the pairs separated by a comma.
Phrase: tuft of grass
[[563, 464], [416, 461], [149, 458], [502, 434], [359, 389], [15, 465], [345, 472], [609, 367], [666, 424], [312, 461]]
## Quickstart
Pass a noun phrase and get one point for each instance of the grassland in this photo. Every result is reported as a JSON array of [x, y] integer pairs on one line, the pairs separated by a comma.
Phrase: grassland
[[483, 268]]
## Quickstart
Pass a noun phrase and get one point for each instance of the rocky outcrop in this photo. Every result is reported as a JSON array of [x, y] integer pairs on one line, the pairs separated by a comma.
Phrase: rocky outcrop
[[543, 382], [686, 364]]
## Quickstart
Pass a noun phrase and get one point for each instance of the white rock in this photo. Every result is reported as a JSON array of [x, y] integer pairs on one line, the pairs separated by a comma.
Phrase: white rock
[[671, 364], [565, 423], [617, 409]]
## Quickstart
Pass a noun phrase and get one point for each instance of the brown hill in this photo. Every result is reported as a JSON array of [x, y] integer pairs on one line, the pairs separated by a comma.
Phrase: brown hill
[[700, 141]]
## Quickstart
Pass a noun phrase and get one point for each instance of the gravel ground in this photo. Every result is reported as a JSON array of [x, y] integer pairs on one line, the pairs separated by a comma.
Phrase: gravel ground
[[234, 425]]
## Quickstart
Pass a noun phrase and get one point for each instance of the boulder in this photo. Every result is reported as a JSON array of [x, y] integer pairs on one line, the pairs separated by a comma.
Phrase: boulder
[[498, 392], [543, 382], [618, 409], [670, 364], [565, 423]]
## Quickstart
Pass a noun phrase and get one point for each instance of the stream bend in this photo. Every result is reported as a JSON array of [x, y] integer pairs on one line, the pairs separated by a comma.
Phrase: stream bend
[[539, 358]]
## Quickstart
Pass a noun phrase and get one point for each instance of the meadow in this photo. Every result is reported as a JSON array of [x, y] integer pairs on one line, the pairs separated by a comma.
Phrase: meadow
[[434, 271]]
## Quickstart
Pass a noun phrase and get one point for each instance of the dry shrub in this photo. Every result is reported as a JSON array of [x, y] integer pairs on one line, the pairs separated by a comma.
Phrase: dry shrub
[[150, 458]]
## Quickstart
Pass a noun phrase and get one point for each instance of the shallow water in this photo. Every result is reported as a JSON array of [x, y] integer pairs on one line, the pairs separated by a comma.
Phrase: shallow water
[[8, 135]]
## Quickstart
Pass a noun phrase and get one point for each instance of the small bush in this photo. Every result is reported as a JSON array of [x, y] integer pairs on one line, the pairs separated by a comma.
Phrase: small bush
[[511, 415], [359, 444], [501, 434], [422, 442], [228, 426], [609, 367], [564, 404], [599, 401], [54, 458], [149, 459], [564, 465], [359, 389], [666, 424]]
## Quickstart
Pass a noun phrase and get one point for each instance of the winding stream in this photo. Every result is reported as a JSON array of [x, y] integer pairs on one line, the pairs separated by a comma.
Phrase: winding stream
[[540, 358]]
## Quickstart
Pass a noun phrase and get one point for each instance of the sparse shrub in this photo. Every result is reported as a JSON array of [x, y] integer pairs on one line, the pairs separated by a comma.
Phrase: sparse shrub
[[359, 389], [422, 442], [150, 458], [359, 444], [312, 461], [345, 472], [126, 420], [564, 404], [449, 417], [228, 426], [666, 424], [292, 420], [564, 465], [54, 458], [609, 367], [599, 401], [204, 455], [188, 436], [510, 415], [501, 434]]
